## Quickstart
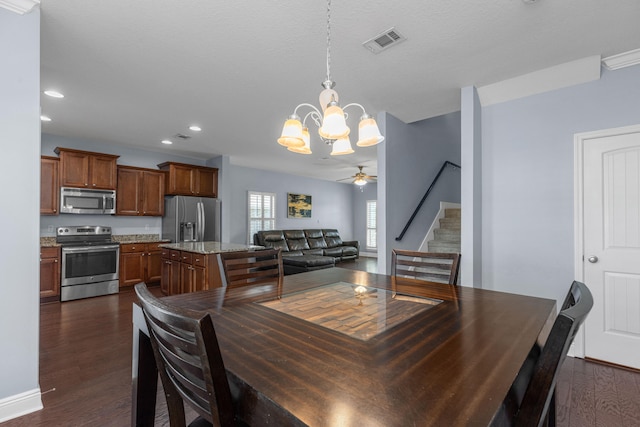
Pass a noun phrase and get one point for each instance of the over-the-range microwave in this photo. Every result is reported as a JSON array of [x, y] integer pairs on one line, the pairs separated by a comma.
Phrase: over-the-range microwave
[[85, 201]]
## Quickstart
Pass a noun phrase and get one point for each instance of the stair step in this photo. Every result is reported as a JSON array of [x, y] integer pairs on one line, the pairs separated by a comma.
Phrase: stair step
[[443, 247], [446, 235], [450, 223], [452, 213]]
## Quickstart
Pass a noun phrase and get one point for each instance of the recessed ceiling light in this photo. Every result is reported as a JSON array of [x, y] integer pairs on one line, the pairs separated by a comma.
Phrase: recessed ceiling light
[[45, 118], [195, 128], [53, 94], [166, 141]]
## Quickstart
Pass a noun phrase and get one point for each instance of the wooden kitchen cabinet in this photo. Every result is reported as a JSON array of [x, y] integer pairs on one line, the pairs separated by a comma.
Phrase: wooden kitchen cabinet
[[85, 169], [184, 272], [140, 262], [49, 187], [170, 280], [190, 180], [140, 192], [49, 274]]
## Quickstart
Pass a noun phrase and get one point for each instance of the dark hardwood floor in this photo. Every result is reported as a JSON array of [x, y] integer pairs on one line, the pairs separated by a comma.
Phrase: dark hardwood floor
[[85, 371]]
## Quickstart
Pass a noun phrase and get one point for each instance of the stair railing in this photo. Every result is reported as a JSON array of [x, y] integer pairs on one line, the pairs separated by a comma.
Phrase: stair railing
[[415, 212]]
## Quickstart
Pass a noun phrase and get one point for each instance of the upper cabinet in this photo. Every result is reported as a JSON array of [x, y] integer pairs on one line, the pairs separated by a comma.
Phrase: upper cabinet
[[140, 191], [85, 169], [49, 189], [190, 180]]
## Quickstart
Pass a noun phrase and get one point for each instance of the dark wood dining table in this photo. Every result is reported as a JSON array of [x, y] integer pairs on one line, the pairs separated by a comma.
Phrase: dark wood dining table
[[339, 347]]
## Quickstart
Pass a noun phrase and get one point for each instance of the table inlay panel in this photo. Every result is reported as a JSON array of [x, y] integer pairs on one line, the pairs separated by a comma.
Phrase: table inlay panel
[[357, 311]]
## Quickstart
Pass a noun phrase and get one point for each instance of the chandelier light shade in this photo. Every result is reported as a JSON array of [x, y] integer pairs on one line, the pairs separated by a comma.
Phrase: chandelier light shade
[[368, 132], [334, 126], [341, 146], [291, 133], [331, 122], [306, 148]]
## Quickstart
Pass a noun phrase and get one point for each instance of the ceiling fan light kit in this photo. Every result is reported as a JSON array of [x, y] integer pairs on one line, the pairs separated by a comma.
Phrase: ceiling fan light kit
[[361, 179], [332, 122]]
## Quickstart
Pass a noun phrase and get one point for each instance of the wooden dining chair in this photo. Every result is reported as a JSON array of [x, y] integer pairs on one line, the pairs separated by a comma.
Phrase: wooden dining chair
[[430, 266], [252, 267], [188, 358], [537, 405]]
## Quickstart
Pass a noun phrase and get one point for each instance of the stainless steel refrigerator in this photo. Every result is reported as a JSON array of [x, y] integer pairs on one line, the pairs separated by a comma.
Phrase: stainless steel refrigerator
[[191, 219]]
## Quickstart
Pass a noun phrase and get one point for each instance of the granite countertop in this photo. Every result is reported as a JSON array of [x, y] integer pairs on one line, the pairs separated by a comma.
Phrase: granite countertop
[[117, 238], [210, 247], [48, 242]]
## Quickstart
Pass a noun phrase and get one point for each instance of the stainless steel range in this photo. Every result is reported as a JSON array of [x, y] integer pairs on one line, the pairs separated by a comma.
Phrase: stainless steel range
[[89, 262]]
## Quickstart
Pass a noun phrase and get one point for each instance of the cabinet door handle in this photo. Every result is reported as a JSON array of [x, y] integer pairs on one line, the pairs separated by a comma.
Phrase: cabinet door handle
[[55, 260]]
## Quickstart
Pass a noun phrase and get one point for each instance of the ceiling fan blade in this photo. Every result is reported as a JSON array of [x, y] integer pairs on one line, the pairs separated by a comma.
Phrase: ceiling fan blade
[[344, 179]]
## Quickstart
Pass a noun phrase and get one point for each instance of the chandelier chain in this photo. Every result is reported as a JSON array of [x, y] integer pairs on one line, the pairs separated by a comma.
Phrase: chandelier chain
[[328, 40]]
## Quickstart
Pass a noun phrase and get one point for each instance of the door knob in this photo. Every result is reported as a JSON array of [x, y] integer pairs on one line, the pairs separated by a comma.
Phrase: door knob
[[592, 259]]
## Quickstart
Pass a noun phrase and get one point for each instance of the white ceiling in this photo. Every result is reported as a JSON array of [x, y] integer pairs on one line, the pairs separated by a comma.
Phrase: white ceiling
[[136, 72]]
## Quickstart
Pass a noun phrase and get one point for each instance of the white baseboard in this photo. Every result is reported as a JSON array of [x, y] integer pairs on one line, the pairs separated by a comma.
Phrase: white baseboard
[[369, 254], [20, 404]]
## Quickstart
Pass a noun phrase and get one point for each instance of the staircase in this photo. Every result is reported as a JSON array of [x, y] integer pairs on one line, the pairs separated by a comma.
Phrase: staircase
[[447, 236]]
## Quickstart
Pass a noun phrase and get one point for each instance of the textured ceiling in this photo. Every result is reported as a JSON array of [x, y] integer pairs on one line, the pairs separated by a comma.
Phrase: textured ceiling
[[136, 72]]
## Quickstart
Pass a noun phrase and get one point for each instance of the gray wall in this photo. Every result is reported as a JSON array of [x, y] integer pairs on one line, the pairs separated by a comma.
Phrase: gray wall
[[332, 201], [528, 179], [19, 170], [414, 153]]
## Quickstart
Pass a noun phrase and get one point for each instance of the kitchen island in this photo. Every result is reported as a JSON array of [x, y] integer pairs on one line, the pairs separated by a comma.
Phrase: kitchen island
[[195, 266]]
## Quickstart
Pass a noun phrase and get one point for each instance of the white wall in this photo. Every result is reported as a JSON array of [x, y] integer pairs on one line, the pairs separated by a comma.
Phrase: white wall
[[19, 171], [528, 179]]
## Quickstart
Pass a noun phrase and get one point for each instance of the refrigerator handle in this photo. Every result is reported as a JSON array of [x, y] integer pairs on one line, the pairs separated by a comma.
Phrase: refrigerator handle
[[201, 223]]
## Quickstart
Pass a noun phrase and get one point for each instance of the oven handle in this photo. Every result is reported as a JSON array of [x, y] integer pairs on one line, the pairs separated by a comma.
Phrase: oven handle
[[89, 249]]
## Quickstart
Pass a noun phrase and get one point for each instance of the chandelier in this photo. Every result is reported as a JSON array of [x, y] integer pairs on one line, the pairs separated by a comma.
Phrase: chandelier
[[331, 123]]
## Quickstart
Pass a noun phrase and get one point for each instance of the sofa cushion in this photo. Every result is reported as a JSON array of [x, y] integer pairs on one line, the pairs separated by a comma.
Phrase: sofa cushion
[[332, 238], [315, 239], [318, 251], [349, 251], [274, 239], [308, 260], [334, 252], [297, 244], [293, 234]]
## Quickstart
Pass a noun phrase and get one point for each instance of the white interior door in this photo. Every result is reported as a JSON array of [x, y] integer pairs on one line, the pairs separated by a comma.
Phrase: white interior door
[[611, 176]]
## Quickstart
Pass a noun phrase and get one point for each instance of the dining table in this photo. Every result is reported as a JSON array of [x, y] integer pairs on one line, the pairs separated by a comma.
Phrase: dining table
[[340, 347]]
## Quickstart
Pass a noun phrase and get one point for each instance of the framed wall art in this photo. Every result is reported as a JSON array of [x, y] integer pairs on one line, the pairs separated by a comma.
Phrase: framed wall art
[[298, 205]]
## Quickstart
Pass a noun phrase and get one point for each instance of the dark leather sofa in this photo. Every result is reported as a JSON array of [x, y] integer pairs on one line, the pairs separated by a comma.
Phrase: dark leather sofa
[[307, 250]]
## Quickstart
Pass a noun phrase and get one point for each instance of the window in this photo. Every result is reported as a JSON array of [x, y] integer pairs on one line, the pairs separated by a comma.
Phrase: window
[[262, 213], [372, 225]]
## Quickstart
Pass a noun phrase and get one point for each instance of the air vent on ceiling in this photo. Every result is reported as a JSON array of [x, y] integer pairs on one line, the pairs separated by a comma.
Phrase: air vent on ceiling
[[384, 40], [181, 136]]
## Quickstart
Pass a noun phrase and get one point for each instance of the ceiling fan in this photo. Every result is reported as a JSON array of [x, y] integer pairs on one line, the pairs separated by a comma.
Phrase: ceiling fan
[[361, 178]]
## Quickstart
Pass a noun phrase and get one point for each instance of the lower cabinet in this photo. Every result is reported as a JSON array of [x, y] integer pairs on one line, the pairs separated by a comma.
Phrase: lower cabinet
[[184, 272], [49, 274], [140, 262]]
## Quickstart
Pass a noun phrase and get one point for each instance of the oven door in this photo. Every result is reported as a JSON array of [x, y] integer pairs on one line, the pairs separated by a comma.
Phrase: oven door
[[89, 264]]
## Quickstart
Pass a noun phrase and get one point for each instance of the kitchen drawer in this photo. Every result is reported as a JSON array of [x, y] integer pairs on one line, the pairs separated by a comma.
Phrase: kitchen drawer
[[186, 257], [49, 252], [200, 260], [171, 254], [152, 247], [127, 248]]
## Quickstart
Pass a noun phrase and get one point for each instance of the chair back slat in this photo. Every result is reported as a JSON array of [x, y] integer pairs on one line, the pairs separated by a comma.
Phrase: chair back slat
[[430, 266], [189, 361], [538, 403], [252, 267]]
